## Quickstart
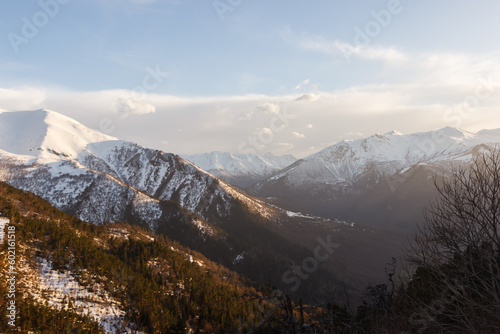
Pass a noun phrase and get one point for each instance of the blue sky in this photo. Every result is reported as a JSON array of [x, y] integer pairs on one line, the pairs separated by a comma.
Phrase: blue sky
[[194, 76]]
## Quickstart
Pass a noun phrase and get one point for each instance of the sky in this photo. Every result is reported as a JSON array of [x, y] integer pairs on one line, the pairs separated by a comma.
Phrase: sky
[[253, 76]]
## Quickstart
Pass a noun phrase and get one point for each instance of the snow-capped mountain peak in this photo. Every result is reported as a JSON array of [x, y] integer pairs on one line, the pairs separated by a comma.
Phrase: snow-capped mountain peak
[[453, 132], [394, 146], [393, 133], [45, 134]]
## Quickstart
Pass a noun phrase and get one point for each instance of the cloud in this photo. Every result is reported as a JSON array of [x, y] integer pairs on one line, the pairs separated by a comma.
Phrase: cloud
[[386, 54], [335, 47], [433, 98], [425, 68], [270, 108], [243, 117], [298, 135], [308, 97], [264, 132], [305, 82], [128, 105], [22, 98]]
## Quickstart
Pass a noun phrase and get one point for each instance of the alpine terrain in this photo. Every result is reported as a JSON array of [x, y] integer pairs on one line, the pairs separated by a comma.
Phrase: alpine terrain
[[383, 179]]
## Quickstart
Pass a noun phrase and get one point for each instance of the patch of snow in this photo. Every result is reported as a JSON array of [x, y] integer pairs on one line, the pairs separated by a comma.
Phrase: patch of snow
[[203, 227], [59, 289], [3, 222], [239, 258], [298, 214]]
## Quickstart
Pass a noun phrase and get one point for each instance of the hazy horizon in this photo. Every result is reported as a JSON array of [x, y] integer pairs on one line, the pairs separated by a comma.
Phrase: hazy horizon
[[283, 77]]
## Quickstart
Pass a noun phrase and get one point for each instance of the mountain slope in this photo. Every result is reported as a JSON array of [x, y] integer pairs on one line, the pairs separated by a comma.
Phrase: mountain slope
[[241, 170], [45, 135], [369, 179], [115, 278]]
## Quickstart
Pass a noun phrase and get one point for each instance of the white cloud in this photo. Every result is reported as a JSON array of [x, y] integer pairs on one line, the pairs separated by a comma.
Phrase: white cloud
[[308, 97], [244, 116], [387, 54], [128, 105], [430, 69], [270, 108], [22, 98], [306, 84], [215, 123], [298, 135], [339, 48], [265, 132], [303, 83]]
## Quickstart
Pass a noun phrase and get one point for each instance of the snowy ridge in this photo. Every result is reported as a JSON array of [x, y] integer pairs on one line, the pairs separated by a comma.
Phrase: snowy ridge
[[381, 155], [45, 135]]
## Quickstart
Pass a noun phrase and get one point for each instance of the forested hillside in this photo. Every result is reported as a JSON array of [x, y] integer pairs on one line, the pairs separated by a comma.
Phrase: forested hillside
[[146, 283]]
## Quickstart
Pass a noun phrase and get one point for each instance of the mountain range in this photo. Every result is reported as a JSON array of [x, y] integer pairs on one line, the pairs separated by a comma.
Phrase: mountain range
[[385, 178], [99, 179], [362, 195]]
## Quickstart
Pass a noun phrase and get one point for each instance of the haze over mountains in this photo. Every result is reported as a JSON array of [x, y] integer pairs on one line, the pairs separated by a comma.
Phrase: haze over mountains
[[365, 195], [239, 169], [99, 179]]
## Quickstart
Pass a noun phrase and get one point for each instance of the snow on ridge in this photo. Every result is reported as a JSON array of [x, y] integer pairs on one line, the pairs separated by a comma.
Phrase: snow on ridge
[[381, 155], [45, 135], [410, 148]]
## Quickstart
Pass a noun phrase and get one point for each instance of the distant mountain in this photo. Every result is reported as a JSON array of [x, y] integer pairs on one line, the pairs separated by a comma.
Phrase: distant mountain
[[241, 170], [385, 178]]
